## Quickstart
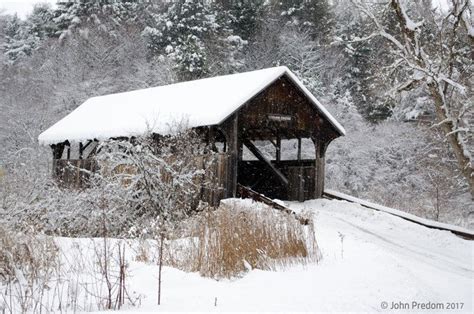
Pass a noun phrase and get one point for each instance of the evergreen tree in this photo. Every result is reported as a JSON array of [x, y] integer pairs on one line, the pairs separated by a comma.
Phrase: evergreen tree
[[41, 21], [318, 18], [244, 17], [179, 34], [314, 16], [188, 33], [365, 61], [106, 15], [19, 41]]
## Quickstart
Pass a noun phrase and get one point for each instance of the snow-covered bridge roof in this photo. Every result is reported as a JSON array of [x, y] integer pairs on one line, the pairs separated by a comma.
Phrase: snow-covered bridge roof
[[197, 103]]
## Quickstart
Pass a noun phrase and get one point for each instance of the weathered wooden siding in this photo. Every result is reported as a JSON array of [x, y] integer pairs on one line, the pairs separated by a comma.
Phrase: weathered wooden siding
[[214, 182], [75, 173], [283, 98]]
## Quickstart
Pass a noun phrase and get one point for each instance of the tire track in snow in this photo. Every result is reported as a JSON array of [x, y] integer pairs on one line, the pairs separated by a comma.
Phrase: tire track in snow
[[419, 255]]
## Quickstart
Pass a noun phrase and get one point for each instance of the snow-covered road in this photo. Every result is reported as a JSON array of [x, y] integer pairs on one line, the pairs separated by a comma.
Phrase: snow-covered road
[[381, 259]]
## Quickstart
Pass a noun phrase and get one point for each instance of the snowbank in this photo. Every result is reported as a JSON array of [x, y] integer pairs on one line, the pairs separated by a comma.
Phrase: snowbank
[[382, 258], [371, 259]]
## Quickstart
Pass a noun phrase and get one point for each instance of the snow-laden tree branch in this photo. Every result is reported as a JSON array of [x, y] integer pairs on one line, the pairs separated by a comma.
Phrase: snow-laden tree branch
[[441, 68]]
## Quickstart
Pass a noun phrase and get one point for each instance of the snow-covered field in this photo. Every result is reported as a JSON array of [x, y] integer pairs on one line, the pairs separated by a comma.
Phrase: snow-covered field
[[384, 259]]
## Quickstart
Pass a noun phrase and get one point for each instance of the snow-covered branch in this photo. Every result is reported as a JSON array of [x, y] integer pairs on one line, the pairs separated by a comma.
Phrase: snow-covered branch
[[431, 66]]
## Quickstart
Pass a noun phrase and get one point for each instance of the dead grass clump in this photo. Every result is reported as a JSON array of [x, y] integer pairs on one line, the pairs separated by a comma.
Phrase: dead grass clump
[[24, 256], [238, 237], [27, 264]]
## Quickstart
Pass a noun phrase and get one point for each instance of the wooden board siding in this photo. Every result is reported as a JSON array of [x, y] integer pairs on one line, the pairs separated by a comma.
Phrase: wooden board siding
[[214, 183], [75, 174], [283, 98]]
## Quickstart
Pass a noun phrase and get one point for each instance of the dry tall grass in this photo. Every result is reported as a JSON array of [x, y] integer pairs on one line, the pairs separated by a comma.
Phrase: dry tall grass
[[27, 264], [240, 236], [25, 255]]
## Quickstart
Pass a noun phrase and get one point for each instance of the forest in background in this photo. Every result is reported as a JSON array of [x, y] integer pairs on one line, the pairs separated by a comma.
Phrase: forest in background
[[396, 151]]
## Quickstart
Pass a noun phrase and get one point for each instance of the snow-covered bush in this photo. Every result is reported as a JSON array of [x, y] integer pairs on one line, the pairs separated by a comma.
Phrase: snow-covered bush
[[155, 176], [142, 183]]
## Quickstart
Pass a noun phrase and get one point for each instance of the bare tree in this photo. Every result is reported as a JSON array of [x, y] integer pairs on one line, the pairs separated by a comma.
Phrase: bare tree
[[440, 63], [157, 177]]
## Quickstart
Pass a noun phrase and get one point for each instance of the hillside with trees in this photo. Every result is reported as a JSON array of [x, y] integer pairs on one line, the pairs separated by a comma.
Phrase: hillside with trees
[[136, 220], [397, 74]]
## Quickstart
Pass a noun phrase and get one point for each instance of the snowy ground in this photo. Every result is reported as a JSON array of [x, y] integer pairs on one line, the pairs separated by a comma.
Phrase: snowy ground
[[385, 259]]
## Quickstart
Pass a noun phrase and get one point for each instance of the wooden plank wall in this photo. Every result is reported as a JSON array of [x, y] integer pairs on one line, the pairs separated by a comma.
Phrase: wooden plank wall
[[214, 182], [75, 174]]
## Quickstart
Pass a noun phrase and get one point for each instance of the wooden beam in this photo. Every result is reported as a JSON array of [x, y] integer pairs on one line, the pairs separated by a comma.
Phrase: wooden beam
[[58, 149], [278, 148], [299, 148], [235, 151], [85, 146], [81, 150], [320, 165], [231, 132], [267, 162]]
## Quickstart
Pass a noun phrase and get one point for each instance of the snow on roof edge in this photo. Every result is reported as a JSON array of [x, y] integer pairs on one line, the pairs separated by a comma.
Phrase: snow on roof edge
[[275, 73]]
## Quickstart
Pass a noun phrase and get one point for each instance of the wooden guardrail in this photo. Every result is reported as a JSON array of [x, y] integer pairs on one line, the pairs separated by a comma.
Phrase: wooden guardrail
[[246, 192], [459, 231]]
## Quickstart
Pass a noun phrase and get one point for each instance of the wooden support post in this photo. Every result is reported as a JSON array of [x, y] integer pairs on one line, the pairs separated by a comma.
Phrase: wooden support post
[[319, 168], [278, 148], [234, 147], [84, 148], [81, 150], [299, 148], [212, 139], [58, 150], [300, 174]]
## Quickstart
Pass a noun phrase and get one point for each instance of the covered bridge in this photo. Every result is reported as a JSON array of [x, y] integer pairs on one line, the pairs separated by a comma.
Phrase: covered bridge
[[239, 112]]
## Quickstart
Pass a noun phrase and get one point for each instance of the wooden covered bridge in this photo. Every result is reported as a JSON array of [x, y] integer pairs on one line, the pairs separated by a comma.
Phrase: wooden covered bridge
[[239, 113]]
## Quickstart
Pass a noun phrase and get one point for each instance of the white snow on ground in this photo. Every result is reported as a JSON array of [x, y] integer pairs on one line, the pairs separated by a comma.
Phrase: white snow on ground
[[385, 259]]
